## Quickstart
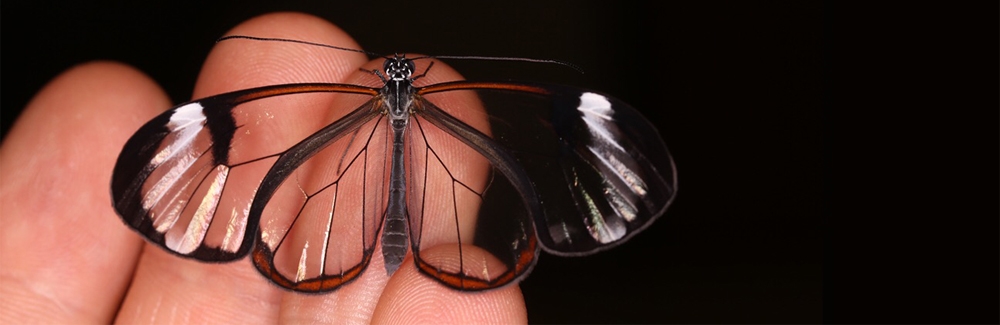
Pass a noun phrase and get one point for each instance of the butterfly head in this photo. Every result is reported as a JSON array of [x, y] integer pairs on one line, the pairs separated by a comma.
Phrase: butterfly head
[[398, 68]]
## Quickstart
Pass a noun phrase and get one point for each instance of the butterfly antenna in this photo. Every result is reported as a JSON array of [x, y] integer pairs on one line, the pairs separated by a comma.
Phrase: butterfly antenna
[[270, 39], [452, 57], [502, 58]]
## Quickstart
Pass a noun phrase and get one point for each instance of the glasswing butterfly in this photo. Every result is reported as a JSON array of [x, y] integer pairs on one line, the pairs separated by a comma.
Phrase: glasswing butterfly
[[474, 178]]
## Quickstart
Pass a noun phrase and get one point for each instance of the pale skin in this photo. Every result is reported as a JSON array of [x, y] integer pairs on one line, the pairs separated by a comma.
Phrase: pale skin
[[68, 258]]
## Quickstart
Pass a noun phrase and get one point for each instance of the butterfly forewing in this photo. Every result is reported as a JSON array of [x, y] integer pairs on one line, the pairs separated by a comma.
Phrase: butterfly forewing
[[600, 169], [187, 178]]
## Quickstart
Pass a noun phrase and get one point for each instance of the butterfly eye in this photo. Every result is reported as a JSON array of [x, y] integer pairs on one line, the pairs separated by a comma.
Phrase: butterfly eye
[[473, 179]]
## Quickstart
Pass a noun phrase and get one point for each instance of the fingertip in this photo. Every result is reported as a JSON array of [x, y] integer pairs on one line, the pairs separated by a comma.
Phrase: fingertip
[[82, 118], [98, 90]]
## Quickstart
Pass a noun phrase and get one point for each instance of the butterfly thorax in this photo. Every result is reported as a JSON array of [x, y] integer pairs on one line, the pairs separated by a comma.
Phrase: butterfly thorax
[[398, 89]]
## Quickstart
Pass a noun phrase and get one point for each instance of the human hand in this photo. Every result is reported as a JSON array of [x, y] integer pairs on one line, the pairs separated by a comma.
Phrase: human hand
[[67, 258]]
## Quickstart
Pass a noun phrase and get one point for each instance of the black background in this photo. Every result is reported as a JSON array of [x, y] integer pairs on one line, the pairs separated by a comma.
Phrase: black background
[[735, 88]]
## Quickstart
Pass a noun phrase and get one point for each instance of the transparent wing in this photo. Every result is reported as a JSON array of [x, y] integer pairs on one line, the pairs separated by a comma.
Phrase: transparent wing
[[469, 205], [187, 178], [599, 170]]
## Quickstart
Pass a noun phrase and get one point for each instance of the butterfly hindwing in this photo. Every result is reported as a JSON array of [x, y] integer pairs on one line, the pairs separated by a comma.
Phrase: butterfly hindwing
[[470, 226], [322, 204]]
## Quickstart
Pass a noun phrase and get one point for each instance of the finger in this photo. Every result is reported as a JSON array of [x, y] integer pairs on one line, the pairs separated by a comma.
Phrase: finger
[[66, 257], [167, 286]]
